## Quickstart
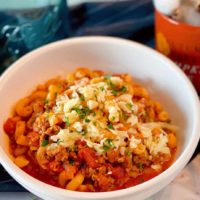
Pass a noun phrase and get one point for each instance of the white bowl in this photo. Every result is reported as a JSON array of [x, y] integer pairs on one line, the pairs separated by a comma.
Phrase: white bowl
[[165, 81]]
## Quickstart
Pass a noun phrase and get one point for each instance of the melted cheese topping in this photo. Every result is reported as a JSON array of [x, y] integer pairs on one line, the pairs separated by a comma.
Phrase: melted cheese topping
[[94, 113]]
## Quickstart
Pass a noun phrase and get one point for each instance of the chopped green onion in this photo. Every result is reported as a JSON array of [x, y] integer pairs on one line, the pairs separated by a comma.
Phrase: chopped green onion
[[123, 89], [105, 148], [87, 120], [125, 117], [84, 132], [67, 121], [47, 116], [46, 101], [140, 166], [113, 86], [113, 118], [82, 98], [60, 141], [94, 123], [114, 92], [107, 77], [83, 112], [78, 110], [129, 105], [44, 143], [128, 153], [110, 126], [102, 88], [94, 114], [107, 144]]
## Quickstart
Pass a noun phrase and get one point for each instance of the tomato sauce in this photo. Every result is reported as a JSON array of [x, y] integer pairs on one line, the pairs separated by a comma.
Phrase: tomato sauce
[[37, 172], [41, 174]]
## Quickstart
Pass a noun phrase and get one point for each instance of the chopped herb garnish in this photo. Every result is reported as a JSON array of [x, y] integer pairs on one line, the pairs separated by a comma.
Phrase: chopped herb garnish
[[128, 153], [94, 123], [67, 121], [102, 88], [56, 94], [82, 98], [110, 126], [78, 110], [84, 132], [129, 105], [140, 166], [107, 77], [123, 89], [114, 92], [113, 86], [46, 101], [60, 141], [94, 114], [71, 162], [87, 120], [47, 116], [44, 143], [83, 112], [95, 92], [107, 144], [113, 118], [125, 117], [105, 148]]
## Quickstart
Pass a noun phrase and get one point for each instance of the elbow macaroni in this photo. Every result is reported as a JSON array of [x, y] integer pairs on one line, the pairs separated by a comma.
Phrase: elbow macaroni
[[23, 109], [91, 132]]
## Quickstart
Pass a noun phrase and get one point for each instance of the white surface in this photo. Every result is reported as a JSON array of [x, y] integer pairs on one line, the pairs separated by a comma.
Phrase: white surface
[[185, 187], [166, 82]]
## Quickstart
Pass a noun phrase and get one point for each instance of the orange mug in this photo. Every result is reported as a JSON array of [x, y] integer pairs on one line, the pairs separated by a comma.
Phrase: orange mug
[[181, 43]]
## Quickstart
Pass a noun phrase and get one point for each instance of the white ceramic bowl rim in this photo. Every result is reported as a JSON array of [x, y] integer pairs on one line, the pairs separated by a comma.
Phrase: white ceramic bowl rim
[[177, 165]]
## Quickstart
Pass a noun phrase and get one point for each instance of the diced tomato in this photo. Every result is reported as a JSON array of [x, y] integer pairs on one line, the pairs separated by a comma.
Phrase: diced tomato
[[70, 171], [147, 175], [88, 155], [33, 139], [55, 166], [103, 182], [81, 142], [10, 126], [112, 155], [123, 128], [118, 172]]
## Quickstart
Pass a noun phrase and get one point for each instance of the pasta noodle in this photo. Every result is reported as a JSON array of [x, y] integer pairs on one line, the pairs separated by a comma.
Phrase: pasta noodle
[[91, 132], [22, 108]]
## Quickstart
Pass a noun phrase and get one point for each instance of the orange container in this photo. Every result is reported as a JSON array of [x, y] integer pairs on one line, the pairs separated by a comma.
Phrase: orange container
[[181, 43]]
